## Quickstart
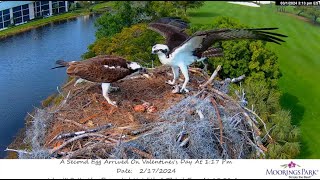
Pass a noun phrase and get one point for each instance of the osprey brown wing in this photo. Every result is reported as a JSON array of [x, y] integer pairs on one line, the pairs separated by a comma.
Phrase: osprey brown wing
[[212, 36], [174, 21], [107, 60], [102, 69], [172, 29]]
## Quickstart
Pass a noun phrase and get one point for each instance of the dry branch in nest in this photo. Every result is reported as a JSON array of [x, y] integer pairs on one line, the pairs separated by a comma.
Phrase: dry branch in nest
[[76, 138], [219, 119], [72, 134], [214, 74]]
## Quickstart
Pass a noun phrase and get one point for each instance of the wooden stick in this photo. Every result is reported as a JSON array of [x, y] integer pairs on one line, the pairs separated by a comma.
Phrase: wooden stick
[[200, 114], [224, 96], [72, 134], [219, 119], [84, 106], [251, 123], [74, 123], [140, 131], [83, 90], [141, 153], [120, 138], [70, 82], [255, 146], [67, 135], [264, 137], [74, 139], [146, 76], [199, 71], [30, 115], [184, 142], [89, 148], [240, 78], [215, 73], [18, 151], [62, 103], [264, 124], [84, 120], [181, 135]]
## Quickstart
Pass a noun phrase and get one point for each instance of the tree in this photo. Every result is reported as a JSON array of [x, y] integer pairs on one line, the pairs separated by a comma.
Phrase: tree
[[73, 6], [133, 43], [164, 9], [188, 4], [127, 13], [265, 102], [55, 9], [312, 11], [281, 9], [300, 9], [248, 57], [109, 24], [85, 4]]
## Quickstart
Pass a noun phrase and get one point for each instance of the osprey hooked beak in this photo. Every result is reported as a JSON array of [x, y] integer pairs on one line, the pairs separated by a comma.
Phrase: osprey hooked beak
[[164, 51], [155, 51], [137, 67], [143, 70], [160, 48]]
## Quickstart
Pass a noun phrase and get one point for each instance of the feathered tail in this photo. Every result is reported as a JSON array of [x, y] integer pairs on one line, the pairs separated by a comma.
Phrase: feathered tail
[[62, 64]]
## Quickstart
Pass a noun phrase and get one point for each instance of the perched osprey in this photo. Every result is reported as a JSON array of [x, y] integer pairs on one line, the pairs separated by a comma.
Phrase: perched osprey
[[102, 69], [181, 50]]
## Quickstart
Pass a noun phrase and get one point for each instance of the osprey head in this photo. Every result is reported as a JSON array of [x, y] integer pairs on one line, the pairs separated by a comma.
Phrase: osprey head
[[135, 66], [160, 49]]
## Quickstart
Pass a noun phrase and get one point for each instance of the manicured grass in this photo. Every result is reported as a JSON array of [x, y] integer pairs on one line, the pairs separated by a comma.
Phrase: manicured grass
[[103, 5], [298, 58]]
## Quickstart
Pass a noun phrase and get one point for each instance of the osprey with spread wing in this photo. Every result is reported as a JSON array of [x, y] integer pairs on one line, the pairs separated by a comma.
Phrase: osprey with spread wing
[[181, 50]]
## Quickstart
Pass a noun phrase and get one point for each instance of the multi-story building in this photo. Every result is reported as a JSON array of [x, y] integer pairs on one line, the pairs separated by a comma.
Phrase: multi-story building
[[19, 12]]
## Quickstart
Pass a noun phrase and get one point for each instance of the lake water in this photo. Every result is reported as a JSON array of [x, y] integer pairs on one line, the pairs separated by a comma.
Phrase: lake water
[[25, 75]]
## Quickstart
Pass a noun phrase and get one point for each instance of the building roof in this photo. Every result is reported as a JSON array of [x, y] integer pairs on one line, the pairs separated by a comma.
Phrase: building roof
[[10, 4]]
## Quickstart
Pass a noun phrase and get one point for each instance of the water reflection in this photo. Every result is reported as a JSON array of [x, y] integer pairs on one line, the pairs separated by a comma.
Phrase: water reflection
[[25, 62]]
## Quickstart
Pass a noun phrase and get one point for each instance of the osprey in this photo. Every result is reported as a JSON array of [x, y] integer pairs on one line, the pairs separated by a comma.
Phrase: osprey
[[102, 69], [181, 50]]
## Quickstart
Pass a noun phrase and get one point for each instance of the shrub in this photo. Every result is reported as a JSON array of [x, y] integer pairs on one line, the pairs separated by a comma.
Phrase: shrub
[[133, 43]]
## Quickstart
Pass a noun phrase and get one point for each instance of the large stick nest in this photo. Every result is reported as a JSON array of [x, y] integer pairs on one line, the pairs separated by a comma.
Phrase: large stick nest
[[205, 123]]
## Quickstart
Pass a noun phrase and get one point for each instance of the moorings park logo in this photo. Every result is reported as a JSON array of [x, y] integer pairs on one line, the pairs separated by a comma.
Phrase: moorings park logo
[[292, 170]]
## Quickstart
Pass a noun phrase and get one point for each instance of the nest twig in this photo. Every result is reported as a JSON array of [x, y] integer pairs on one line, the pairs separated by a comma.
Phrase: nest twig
[[76, 138], [219, 119]]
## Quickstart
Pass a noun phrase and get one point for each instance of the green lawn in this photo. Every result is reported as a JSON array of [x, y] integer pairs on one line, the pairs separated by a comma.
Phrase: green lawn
[[103, 5], [298, 58]]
